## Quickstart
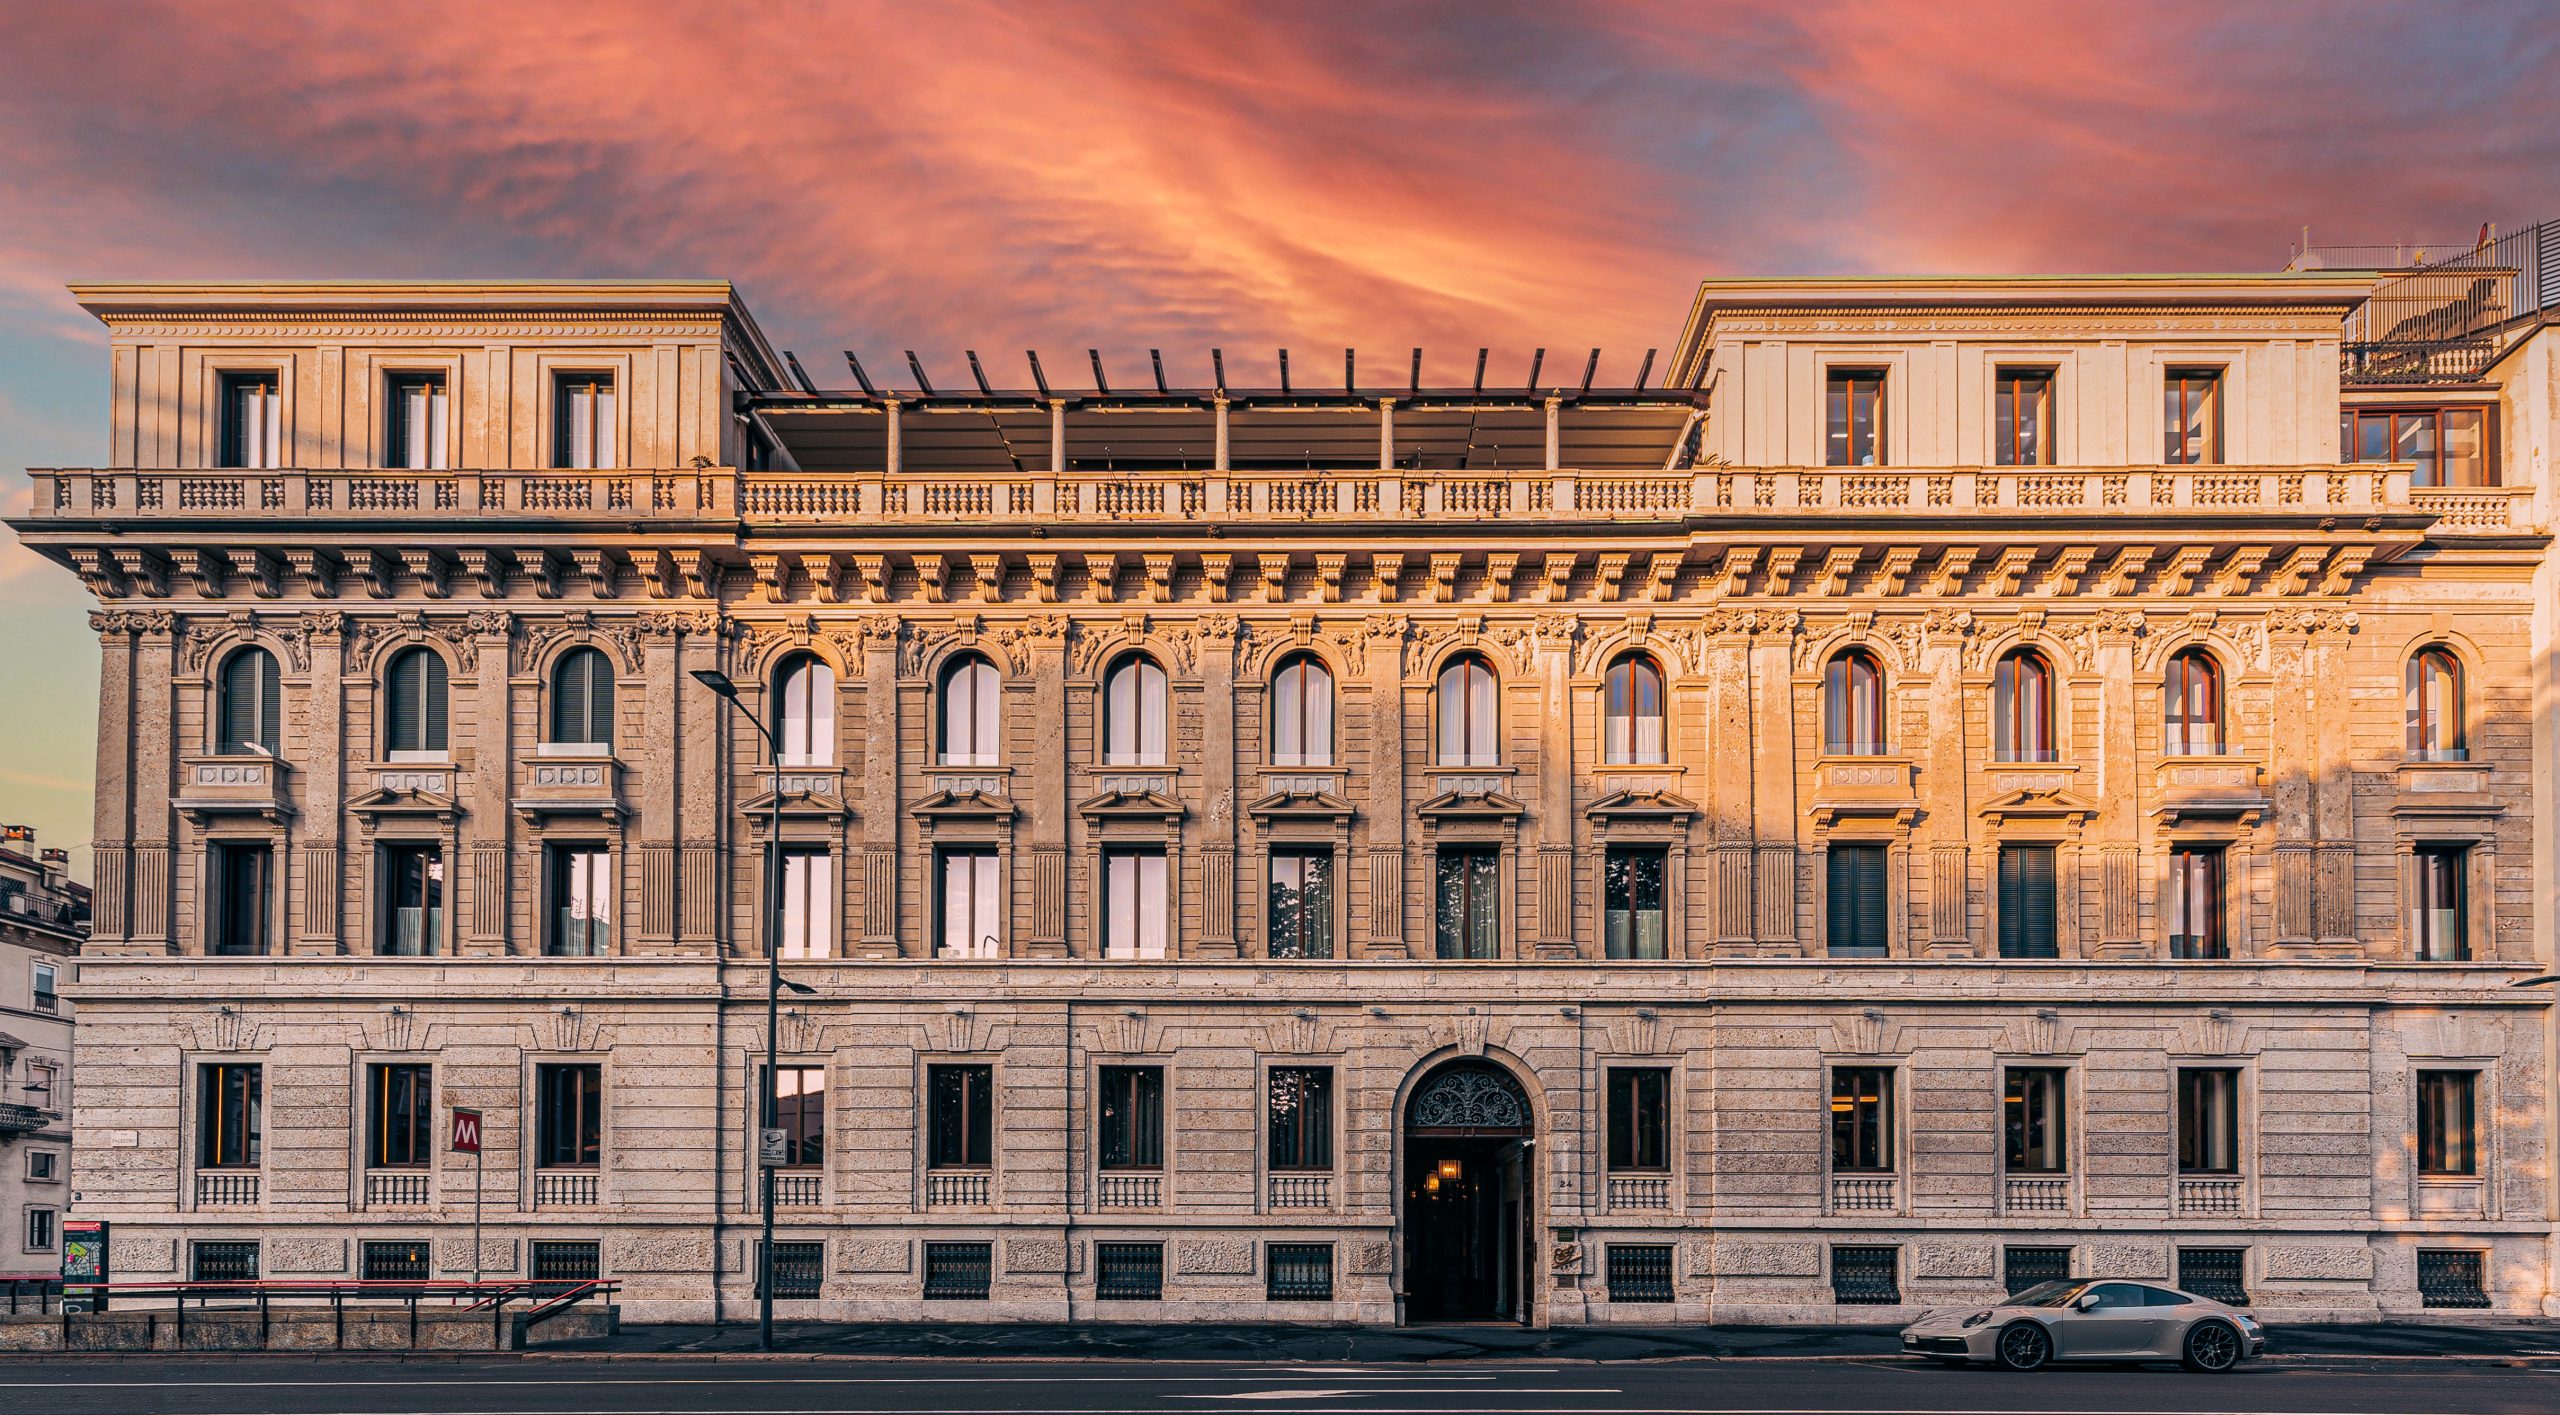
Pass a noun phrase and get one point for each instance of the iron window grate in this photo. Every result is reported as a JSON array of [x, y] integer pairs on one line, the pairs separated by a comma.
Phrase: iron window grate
[[563, 1260], [2450, 1278], [2023, 1268], [1128, 1272], [1639, 1272], [395, 1262], [222, 1261], [1866, 1277], [957, 1272], [798, 1269], [1299, 1272], [2218, 1273]]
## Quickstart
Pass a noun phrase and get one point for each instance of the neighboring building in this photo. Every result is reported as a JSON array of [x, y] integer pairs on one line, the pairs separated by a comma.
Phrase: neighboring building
[[43, 918], [1956, 784]]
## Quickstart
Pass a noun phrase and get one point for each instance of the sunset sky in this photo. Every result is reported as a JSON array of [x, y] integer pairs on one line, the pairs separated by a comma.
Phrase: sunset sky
[[1051, 175]]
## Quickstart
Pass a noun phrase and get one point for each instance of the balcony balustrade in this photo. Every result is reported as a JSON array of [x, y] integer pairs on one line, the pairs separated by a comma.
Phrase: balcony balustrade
[[227, 1188], [2035, 1196], [1129, 1191], [1639, 1191], [1301, 1191], [398, 1188], [958, 1188], [799, 1188], [1866, 1193], [565, 1189], [2212, 1196]]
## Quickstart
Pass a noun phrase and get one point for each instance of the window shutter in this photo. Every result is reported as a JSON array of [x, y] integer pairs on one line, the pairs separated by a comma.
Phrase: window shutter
[[569, 699], [400, 727], [432, 716], [2027, 914], [599, 698], [270, 702], [239, 679], [1870, 893]]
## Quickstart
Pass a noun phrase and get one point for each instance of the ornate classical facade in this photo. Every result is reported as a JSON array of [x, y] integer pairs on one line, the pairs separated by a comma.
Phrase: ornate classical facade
[[1958, 781]]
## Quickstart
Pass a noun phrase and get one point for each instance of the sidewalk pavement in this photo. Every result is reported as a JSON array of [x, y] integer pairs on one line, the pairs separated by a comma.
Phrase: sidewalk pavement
[[2483, 1340]]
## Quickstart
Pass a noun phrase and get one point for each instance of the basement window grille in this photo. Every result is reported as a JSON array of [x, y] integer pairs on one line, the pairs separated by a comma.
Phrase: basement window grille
[[798, 1269], [1128, 1272], [2023, 1268], [563, 1260], [1639, 1272], [395, 1262], [2451, 1278], [1866, 1277], [2218, 1273], [224, 1261], [956, 1272], [1299, 1272]]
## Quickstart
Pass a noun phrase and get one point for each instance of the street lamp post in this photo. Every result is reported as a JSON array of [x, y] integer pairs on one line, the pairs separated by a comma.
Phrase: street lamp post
[[719, 683]]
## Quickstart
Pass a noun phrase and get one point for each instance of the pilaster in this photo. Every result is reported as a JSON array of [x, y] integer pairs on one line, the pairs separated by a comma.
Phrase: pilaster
[[322, 778], [1046, 641], [1383, 639], [487, 822], [2119, 854], [111, 907], [152, 765], [1217, 827], [882, 819]]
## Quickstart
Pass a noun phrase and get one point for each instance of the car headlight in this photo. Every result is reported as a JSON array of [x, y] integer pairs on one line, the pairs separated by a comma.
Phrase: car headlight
[[1978, 1318]]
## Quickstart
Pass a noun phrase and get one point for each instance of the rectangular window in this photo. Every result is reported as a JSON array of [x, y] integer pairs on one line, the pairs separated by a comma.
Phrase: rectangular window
[[567, 1260], [1855, 901], [581, 888], [1301, 1127], [2022, 418], [1866, 1277], [400, 1128], [2218, 1274], [2028, 917], [2208, 1120], [2447, 1143], [228, 1260], [1128, 1272], [1639, 1272], [395, 1262], [960, 1116], [808, 903], [44, 1087], [1463, 903], [2022, 1268], [2446, 446], [1853, 429], [1301, 917], [242, 902], [1133, 898], [43, 1166], [2452, 1278], [1636, 925], [228, 1111], [41, 988], [799, 1269], [957, 1272], [2032, 1119], [252, 420], [2195, 903], [570, 1124], [1862, 1120], [1298, 1272], [39, 1230], [1130, 1115], [2192, 413], [968, 905], [800, 1111], [2439, 918], [1639, 1118], [583, 417], [414, 429], [412, 920]]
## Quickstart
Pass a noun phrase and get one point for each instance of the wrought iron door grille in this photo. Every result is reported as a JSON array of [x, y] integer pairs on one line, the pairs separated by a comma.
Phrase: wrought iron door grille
[[798, 1269], [2450, 1278], [395, 1262], [2218, 1273], [1299, 1272], [1866, 1277], [2023, 1268], [1128, 1272], [1639, 1272], [224, 1261], [561, 1260], [956, 1272]]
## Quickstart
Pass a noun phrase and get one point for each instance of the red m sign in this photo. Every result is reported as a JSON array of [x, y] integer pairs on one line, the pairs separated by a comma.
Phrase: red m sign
[[466, 1131]]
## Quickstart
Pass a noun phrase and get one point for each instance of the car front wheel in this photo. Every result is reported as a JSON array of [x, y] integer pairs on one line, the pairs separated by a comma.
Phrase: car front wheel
[[2024, 1346], [2212, 1347]]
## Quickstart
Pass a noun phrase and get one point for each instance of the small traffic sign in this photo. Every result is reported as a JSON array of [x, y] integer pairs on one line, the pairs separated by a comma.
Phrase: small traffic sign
[[466, 1131], [776, 1148]]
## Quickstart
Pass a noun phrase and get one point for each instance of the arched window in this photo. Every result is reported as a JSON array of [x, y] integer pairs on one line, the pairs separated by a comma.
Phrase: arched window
[[2435, 706], [2022, 708], [582, 700], [1133, 713], [1631, 711], [1853, 705], [251, 714], [413, 718], [1469, 730], [804, 718], [1302, 713], [967, 727], [2191, 700]]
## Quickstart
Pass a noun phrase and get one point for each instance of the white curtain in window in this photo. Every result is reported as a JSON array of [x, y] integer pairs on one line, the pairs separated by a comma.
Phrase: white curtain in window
[[258, 416], [809, 714], [1302, 715], [591, 419], [808, 886], [1133, 714], [422, 415], [1134, 892], [972, 921], [969, 698], [1467, 715]]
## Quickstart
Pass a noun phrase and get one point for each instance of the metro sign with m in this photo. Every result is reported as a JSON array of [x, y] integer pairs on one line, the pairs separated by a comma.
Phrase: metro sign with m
[[466, 1131]]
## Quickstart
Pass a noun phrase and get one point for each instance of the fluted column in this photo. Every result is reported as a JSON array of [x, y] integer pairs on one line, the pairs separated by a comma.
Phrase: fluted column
[[1045, 770], [1943, 776], [1556, 636], [1773, 779], [487, 822], [1383, 660], [153, 762], [883, 819], [1217, 829], [111, 912], [2119, 792]]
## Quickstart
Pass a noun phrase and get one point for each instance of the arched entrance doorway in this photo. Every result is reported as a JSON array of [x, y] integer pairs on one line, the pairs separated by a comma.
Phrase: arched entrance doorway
[[1467, 1179]]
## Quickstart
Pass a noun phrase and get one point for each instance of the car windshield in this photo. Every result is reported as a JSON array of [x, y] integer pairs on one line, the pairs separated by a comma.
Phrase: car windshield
[[2046, 1294]]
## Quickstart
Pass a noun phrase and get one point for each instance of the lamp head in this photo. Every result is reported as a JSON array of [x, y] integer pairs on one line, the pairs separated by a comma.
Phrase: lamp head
[[717, 682]]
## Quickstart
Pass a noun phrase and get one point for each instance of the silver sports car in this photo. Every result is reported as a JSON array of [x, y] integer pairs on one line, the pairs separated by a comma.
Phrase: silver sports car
[[2091, 1319]]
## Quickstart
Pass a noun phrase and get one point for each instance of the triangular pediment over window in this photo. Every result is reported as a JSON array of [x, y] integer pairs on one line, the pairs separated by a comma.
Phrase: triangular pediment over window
[[1643, 808], [797, 805], [964, 806], [1470, 806], [392, 804], [2059, 807], [1149, 806], [1321, 806]]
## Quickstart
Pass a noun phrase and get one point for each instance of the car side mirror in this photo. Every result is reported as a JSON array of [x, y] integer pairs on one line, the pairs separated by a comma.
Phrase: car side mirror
[[2085, 1302]]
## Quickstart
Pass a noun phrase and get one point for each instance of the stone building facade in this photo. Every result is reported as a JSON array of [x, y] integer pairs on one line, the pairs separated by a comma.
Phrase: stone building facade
[[43, 916], [1957, 781]]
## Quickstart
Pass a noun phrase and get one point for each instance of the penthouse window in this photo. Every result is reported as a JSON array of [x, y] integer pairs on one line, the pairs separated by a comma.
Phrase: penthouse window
[[2191, 696], [582, 701], [1133, 713], [966, 728], [2446, 446], [1853, 705], [583, 421], [252, 420], [1853, 425], [1302, 713], [249, 716], [414, 705], [1470, 729], [2022, 418], [2022, 708], [414, 428], [1631, 712], [2191, 409], [804, 717]]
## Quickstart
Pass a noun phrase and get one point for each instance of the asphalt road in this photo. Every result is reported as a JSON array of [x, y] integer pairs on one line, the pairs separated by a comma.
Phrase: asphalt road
[[610, 1385]]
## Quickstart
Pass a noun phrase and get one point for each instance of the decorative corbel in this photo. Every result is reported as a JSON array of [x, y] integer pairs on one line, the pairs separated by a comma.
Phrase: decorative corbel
[[989, 570], [1330, 566], [2063, 577], [318, 569], [537, 566], [1444, 578], [1159, 578], [205, 570], [1782, 569], [488, 571], [2126, 568], [379, 569], [264, 571], [1274, 568], [98, 571], [2233, 576], [1558, 568], [433, 573], [145, 569], [873, 572], [1946, 578], [2294, 575], [1216, 568], [1895, 569], [1837, 567], [1102, 576], [1044, 576], [826, 575], [2348, 564], [1733, 575], [1665, 568], [2010, 569], [1386, 575], [2179, 575], [770, 572], [933, 571], [1612, 573], [1499, 567], [597, 565]]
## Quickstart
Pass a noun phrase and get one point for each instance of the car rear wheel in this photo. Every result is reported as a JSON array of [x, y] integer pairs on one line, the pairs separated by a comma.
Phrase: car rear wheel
[[2212, 1347], [2024, 1346]]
